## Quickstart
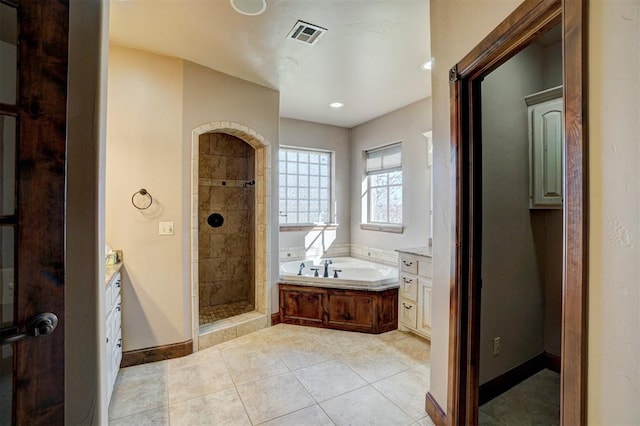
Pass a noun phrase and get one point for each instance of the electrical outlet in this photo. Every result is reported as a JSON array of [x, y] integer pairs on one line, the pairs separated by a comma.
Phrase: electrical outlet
[[496, 346], [165, 228]]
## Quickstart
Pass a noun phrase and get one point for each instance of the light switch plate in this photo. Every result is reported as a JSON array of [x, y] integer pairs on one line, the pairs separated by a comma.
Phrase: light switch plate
[[165, 228]]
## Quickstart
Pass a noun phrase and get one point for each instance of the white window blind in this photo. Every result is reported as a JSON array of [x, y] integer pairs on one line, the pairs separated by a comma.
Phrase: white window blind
[[383, 160]]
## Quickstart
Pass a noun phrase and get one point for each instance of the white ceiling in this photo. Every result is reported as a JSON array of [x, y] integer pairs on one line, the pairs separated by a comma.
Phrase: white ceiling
[[369, 59]]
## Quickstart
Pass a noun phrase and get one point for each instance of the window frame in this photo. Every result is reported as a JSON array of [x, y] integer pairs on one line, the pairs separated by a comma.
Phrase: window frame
[[303, 226], [370, 199], [368, 223]]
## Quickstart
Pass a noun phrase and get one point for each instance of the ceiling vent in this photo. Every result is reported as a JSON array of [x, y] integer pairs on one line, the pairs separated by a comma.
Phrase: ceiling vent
[[306, 33]]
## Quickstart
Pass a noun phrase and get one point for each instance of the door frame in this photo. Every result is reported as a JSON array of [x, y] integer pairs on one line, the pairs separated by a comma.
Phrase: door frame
[[517, 31]]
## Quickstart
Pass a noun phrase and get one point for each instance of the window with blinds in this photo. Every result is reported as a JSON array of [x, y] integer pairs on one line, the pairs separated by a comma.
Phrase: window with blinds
[[305, 186], [383, 167]]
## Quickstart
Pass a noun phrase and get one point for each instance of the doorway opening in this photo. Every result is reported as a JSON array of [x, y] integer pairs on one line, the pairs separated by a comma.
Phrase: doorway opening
[[521, 247], [525, 25]]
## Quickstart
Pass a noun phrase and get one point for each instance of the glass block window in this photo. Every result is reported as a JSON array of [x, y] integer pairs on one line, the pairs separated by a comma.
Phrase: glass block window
[[384, 177], [305, 186]]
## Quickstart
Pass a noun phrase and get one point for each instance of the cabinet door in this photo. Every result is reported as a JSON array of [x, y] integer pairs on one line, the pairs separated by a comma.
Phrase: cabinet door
[[546, 155], [301, 305], [424, 307], [350, 308]]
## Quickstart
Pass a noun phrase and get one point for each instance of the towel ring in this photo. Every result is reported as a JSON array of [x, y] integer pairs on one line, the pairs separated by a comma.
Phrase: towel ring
[[141, 200]]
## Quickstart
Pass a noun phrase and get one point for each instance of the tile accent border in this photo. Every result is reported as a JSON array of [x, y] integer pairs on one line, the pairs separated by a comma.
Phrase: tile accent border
[[437, 414], [300, 253], [156, 353], [377, 255], [262, 201], [386, 257]]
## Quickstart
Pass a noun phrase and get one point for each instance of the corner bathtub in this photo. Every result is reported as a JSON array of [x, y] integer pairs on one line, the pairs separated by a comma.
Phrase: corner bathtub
[[364, 298], [355, 274]]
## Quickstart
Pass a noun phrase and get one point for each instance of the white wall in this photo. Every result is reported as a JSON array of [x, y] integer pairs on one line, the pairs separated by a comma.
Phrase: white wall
[[213, 96], [85, 347], [614, 212], [144, 134], [614, 191], [406, 124], [512, 281], [305, 134]]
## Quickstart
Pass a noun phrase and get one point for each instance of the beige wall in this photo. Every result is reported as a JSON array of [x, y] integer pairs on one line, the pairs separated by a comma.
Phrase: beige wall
[[155, 102], [406, 124], [614, 224], [85, 347], [456, 27], [614, 185], [144, 133], [213, 96], [305, 134]]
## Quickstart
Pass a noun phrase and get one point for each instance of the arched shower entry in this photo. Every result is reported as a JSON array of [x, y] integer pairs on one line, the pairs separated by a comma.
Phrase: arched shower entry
[[229, 232]]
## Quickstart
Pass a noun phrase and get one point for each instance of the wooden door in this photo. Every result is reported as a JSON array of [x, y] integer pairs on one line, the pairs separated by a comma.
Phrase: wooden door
[[33, 87]]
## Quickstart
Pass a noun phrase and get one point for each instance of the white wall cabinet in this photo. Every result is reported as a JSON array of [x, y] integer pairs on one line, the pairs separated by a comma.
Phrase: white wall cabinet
[[545, 149], [414, 306], [113, 308]]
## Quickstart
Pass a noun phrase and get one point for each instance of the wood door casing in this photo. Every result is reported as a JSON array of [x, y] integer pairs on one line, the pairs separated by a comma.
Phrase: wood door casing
[[530, 19]]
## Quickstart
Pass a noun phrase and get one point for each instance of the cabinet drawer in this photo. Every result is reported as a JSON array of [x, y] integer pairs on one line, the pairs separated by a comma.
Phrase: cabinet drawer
[[409, 287], [108, 300], [425, 268], [117, 314], [409, 265], [116, 284], [116, 356], [408, 313]]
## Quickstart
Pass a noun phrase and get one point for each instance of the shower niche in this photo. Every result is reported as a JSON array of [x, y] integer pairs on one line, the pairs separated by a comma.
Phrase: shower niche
[[226, 227]]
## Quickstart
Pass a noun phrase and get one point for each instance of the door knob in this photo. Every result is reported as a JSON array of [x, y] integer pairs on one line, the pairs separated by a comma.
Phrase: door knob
[[40, 325]]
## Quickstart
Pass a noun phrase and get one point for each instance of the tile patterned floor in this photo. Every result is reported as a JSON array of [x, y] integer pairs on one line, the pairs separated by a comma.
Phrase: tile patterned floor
[[209, 314], [536, 401], [282, 375]]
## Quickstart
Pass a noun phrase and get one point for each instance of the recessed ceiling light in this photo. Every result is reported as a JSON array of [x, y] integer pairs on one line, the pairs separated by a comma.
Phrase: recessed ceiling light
[[427, 65], [249, 7], [336, 105]]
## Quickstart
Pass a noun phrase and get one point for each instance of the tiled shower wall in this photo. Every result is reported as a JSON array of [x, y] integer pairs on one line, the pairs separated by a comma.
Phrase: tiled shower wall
[[226, 254]]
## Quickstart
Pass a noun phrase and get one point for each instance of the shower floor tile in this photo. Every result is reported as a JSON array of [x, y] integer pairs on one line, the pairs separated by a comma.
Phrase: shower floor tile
[[209, 314]]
